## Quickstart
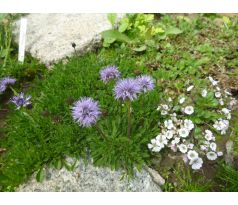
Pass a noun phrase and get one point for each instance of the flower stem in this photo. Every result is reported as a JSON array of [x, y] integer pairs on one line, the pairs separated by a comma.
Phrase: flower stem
[[15, 92], [129, 119], [101, 132]]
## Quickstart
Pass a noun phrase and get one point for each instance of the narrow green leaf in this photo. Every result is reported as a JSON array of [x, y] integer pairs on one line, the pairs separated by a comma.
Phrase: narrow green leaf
[[40, 175]]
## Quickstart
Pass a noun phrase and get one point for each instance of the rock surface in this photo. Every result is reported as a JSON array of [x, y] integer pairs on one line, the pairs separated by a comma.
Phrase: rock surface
[[88, 178], [229, 156], [49, 36]]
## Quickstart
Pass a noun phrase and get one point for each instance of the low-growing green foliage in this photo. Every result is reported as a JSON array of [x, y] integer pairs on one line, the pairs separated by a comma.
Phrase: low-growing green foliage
[[175, 51], [227, 178], [186, 181]]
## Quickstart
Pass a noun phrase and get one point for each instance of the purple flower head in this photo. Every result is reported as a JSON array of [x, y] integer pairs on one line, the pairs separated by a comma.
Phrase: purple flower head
[[21, 101], [4, 82], [146, 83], [127, 89], [86, 111], [109, 73]]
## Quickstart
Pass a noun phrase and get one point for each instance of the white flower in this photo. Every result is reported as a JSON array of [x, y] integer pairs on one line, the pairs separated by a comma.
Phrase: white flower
[[183, 148], [208, 135], [203, 147], [192, 154], [213, 146], [173, 117], [164, 112], [196, 163], [190, 88], [154, 146], [175, 141], [168, 124], [217, 94], [190, 146], [169, 134], [228, 116], [204, 93], [225, 111], [188, 124], [211, 155], [181, 100], [218, 89], [219, 154], [165, 107], [221, 102], [161, 140], [214, 82], [221, 125], [170, 99], [189, 110], [158, 108], [232, 103], [183, 132]]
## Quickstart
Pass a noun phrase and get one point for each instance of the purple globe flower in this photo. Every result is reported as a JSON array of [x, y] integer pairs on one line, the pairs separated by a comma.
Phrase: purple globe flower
[[127, 89], [21, 101], [4, 82], [86, 111], [109, 73], [146, 83]]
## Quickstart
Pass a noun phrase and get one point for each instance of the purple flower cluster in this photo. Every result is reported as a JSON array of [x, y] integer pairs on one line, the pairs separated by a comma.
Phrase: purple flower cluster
[[146, 83], [4, 82], [127, 89], [21, 101], [109, 73], [86, 112]]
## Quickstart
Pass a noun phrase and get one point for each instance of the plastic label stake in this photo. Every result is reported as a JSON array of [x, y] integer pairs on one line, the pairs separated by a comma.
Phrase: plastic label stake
[[22, 40]]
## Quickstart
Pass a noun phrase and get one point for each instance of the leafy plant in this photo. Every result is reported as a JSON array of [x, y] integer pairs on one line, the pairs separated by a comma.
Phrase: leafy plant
[[228, 178]]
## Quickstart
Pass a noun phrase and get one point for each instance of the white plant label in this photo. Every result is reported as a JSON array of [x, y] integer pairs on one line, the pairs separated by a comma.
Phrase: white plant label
[[22, 40]]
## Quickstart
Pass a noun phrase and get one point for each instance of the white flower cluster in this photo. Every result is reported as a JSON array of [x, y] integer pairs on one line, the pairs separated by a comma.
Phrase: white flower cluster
[[222, 125], [177, 130]]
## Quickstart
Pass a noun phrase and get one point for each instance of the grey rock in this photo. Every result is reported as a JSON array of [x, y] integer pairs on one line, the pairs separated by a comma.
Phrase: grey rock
[[156, 177], [49, 36], [88, 178], [228, 156]]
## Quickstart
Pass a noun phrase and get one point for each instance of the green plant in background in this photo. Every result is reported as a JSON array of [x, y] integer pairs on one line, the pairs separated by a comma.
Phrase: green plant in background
[[5, 38], [185, 181], [227, 178], [9, 65], [137, 30]]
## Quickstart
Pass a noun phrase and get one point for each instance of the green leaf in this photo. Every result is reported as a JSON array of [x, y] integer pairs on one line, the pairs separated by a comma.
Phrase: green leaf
[[114, 34], [112, 18], [202, 61], [58, 164], [2, 16], [140, 49], [40, 175], [173, 31], [124, 24]]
